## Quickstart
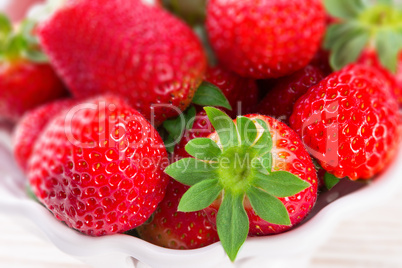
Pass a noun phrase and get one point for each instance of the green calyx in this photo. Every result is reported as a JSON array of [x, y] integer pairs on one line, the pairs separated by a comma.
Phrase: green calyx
[[233, 165], [361, 25], [20, 43]]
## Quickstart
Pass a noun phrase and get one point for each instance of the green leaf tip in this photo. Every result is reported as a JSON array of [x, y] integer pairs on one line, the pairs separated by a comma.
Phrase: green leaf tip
[[200, 196], [281, 183], [224, 127], [268, 207], [190, 171], [210, 95], [203, 148], [330, 180], [232, 224]]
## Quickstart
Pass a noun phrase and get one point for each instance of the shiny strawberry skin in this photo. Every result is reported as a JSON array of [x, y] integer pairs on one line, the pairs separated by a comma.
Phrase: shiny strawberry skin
[[370, 58], [279, 101], [267, 38], [349, 122], [289, 154], [99, 167], [177, 230], [30, 127], [25, 85], [242, 93], [127, 48]]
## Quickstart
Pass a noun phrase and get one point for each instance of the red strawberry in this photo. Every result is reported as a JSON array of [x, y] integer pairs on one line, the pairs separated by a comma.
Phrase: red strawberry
[[99, 167], [242, 93], [26, 81], [137, 51], [252, 176], [31, 126], [370, 58], [178, 230], [349, 122], [280, 100], [266, 38]]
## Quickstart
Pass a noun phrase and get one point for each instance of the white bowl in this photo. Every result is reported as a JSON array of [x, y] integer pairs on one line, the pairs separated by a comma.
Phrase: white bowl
[[123, 251]]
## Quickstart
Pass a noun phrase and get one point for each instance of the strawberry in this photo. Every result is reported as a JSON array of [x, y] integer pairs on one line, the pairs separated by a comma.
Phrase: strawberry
[[370, 58], [31, 126], [252, 177], [177, 230], [126, 48], [98, 167], [280, 100], [267, 38], [26, 80], [242, 93], [349, 122]]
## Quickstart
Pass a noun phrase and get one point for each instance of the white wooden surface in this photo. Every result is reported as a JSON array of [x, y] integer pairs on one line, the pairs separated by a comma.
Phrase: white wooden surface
[[368, 240]]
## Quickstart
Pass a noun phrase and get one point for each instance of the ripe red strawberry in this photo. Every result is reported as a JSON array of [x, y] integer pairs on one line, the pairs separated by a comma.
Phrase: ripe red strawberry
[[349, 122], [242, 93], [370, 58], [31, 126], [279, 101], [26, 81], [99, 167], [137, 51], [252, 177], [170, 228], [267, 38]]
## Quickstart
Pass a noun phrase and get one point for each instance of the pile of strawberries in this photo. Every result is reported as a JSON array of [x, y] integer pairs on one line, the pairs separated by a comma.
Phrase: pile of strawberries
[[216, 128]]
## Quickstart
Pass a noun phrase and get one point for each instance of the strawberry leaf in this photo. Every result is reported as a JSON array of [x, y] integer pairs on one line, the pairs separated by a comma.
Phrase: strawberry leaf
[[175, 127], [210, 95], [203, 148], [266, 162], [388, 47], [5, 29], [336, 31], [190, 171], [280, 183], [247, 130], [232, 224], [345, 9], [268, 207], [330, 180], [349, 47], [200, 196], [264, 143], [224, 126]]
